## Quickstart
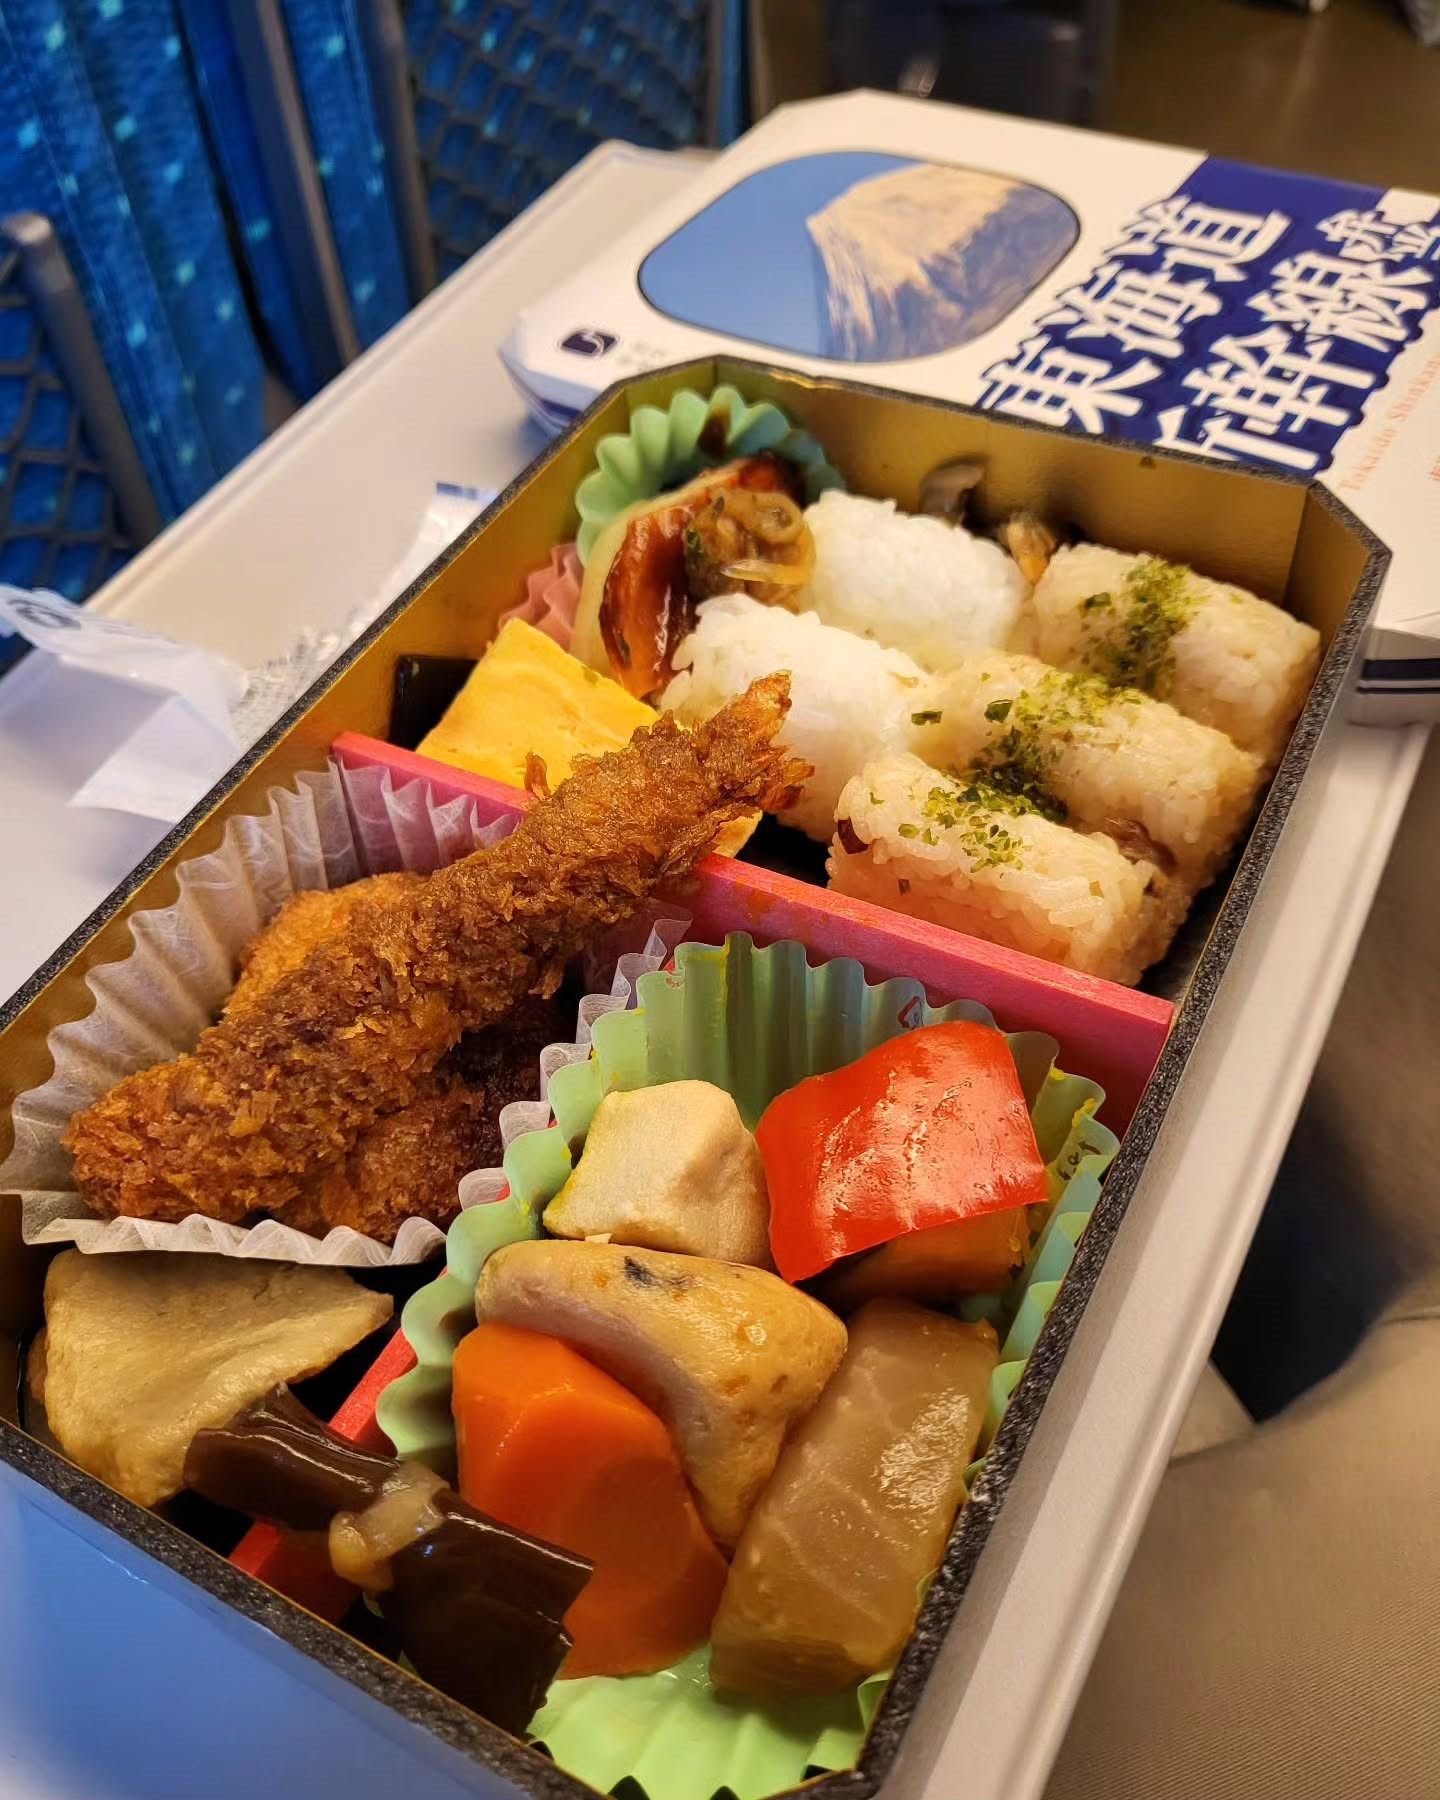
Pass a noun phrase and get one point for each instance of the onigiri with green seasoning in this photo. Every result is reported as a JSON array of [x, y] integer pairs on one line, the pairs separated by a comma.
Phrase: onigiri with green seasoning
[[1214, 651], [1174, 792], [958, 852]]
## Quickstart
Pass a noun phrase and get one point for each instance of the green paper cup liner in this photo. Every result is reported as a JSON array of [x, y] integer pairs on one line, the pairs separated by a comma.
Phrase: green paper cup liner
[[755, 1022], [663, 449]]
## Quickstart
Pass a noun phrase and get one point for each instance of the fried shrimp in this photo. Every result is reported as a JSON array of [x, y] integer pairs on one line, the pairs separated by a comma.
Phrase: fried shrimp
[[286, 1087], [409, 1164], [302, 924]]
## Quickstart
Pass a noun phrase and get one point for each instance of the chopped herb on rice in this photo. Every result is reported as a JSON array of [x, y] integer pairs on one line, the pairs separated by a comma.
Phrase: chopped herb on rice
[[1134, 646], [1037, 724], [968, 810]]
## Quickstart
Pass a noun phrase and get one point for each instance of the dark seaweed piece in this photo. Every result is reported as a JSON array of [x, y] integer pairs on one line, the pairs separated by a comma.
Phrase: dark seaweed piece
[[478, 1608], [423, 688]]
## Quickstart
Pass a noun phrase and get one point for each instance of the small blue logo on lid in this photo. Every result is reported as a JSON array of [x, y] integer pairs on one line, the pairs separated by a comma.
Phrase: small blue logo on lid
[[588, 343]]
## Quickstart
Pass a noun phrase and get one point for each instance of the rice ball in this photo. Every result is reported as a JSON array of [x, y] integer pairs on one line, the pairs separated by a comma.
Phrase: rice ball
[[909, 581], [850, 700]]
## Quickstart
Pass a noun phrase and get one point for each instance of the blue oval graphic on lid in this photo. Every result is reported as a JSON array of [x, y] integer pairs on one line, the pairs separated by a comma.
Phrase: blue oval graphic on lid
[[860, 257]]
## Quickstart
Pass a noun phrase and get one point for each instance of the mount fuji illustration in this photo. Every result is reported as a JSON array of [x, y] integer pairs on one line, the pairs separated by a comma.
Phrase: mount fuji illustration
[[926, 258]]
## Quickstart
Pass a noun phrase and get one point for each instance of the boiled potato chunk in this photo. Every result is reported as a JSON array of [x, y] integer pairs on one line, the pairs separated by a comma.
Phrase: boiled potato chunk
[[669, 1168]]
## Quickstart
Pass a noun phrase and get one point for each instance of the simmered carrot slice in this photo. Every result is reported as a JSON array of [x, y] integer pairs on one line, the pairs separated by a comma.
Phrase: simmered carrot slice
[[553, 1446]]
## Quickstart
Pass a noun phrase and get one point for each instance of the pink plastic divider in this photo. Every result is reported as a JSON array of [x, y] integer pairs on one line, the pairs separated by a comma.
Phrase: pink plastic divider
[[1108, 1032]]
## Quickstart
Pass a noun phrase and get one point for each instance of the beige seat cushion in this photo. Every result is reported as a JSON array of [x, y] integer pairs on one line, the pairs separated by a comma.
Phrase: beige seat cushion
[[1278, 1633]]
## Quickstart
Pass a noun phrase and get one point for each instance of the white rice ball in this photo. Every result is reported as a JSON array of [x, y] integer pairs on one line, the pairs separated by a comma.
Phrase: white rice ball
[[850, 701], [908, 580]]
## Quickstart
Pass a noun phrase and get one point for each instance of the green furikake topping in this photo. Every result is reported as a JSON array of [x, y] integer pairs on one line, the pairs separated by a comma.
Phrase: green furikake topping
[[1037, 724], [968, 809], [928, 717], [1136, 648]]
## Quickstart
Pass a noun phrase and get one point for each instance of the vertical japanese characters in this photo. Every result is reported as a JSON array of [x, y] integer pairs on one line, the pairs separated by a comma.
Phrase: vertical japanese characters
[[1255, 334]]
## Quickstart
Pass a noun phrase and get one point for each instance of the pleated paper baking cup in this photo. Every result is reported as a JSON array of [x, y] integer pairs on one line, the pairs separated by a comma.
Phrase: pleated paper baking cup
[[552, 597], [755, 1022], [328, 829], [695, 432]]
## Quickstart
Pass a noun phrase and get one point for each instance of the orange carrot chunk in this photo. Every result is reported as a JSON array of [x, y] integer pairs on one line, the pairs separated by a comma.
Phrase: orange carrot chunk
[[552, 1446]]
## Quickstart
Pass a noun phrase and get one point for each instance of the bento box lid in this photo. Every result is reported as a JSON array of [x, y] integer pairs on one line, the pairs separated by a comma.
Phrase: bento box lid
[[1137, 290]]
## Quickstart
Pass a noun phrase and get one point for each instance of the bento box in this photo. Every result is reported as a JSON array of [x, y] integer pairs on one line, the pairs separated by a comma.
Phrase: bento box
[[1278, 537]]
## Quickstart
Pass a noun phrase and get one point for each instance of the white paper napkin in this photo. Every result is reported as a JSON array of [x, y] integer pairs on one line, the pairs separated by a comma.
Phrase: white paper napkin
[[208, 708]]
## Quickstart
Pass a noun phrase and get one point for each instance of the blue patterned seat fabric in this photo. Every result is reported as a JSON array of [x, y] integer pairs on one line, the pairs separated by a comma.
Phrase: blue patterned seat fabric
[[103, 138], [102, 102], [61, 529], [232, 133], [334, 77], [135, 60], [510, 95]]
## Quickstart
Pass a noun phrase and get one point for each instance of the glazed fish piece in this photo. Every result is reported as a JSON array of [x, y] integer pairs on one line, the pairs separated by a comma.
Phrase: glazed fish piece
[[651, 566], [824, 1587]]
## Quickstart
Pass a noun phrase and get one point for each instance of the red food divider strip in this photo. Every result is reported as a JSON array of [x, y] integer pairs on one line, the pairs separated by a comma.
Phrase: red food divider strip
[[1110, 1033]]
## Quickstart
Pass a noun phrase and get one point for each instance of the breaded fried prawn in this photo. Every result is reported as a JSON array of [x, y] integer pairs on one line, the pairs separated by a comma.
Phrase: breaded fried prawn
[[285, 1089], [302, 924], [409, 1163]]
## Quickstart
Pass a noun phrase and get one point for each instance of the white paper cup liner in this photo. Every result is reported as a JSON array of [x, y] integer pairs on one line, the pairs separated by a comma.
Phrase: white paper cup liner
[[327, 829]]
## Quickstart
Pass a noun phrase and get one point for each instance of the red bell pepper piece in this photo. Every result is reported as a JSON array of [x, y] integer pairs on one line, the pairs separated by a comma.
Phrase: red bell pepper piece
[[927, 1129]]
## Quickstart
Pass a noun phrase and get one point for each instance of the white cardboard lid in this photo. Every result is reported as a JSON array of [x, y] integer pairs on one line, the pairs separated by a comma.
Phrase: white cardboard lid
[[1088, 281]]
